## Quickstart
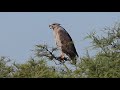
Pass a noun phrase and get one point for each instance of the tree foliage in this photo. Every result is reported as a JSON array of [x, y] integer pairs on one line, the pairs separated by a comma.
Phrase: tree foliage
[[34, 69], [5, 70], [106, 63]]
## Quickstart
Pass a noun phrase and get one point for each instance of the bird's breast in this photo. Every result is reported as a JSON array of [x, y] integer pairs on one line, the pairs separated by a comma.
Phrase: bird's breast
[[57, 39]]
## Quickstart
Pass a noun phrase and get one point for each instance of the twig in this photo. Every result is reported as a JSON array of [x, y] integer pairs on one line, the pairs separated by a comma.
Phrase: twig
[[57, 58], [44, 51]]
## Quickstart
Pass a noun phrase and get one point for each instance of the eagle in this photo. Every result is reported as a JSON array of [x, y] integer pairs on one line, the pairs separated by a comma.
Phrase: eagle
[[64, 42]]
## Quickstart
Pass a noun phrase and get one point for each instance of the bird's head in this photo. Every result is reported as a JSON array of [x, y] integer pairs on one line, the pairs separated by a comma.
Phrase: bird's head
[[54, 25]]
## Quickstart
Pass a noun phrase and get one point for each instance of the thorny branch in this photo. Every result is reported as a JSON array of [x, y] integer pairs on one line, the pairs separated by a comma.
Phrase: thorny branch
[[43, 51]]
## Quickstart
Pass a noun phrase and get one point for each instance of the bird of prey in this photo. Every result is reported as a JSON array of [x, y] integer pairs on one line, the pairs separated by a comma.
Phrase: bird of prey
[[64, 42]]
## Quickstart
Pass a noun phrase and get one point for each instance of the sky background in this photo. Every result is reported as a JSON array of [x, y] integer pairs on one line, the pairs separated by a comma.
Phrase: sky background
[[21, 31]]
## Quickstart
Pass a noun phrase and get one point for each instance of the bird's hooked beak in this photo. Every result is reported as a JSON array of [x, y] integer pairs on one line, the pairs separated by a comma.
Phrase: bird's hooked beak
[[50, 26]]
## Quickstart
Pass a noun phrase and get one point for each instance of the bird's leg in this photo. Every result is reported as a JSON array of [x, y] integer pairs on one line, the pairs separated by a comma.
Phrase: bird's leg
[[62, 56]]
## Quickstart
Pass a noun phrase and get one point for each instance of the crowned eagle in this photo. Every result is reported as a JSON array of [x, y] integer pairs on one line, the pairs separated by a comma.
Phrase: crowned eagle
[[64, 42]]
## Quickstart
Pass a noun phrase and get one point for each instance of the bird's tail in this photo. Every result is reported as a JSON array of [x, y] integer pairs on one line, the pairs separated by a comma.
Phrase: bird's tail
[[74, 60]]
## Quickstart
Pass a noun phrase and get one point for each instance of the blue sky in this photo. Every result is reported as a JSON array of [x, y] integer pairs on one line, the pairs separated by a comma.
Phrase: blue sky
[[21, 31]]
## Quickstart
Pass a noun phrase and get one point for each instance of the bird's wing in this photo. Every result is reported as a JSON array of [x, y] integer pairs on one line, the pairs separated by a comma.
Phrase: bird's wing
[[67, 43]]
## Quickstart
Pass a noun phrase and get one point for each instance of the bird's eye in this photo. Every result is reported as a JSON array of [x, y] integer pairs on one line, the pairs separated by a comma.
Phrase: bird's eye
[[53, 24]]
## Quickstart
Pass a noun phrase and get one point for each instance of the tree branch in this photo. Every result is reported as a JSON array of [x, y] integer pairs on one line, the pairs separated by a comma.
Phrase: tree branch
[[43, 51]]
